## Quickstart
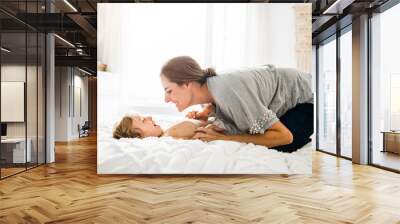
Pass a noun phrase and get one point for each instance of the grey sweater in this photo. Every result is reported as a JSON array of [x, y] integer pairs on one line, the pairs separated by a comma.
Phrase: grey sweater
[[251, 100]]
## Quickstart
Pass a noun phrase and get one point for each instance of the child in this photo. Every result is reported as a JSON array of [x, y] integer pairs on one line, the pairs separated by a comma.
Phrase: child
[[136, 126]]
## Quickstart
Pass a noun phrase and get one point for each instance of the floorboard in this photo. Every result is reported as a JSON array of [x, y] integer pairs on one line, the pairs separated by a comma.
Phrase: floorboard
[[70, 191]]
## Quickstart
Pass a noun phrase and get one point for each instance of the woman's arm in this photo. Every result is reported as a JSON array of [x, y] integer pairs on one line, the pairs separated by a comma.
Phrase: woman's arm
[[276, 135]]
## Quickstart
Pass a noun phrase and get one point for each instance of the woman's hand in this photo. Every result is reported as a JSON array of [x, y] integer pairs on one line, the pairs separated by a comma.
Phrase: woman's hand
[[209, 133], [276, 135]]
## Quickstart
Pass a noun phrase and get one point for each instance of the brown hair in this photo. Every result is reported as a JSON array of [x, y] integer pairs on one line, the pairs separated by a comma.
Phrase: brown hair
[[184, 69], [124, 129]]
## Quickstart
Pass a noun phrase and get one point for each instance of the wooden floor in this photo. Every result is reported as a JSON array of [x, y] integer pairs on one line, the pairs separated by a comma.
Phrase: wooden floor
[[70, 191], [10, 171]]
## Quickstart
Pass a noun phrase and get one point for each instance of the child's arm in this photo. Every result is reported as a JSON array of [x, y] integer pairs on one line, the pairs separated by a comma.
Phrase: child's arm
[[184, 129], [202, 115]]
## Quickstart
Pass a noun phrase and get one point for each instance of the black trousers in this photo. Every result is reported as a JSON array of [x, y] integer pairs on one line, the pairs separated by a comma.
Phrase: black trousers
[[300, 121]]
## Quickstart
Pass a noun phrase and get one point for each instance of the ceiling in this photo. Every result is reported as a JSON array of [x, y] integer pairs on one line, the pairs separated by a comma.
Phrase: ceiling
[[76, 21]]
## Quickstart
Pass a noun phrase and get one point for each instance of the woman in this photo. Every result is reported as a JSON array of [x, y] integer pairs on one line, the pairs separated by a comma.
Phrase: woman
[[262, 105], [135, 126]]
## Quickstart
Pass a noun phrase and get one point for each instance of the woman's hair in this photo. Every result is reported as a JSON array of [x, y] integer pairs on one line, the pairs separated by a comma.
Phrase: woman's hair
[[184, 69], [124, 129]]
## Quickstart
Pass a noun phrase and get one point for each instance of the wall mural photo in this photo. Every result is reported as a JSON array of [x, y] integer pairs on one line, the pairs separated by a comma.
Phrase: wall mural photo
[[205, 89]]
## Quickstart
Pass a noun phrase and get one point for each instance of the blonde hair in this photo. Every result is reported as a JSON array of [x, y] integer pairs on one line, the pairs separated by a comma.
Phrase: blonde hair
[[124, 129], [184, 69]]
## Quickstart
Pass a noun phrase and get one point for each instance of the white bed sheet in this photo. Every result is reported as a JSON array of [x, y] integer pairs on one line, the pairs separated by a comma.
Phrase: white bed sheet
[[166, 155]]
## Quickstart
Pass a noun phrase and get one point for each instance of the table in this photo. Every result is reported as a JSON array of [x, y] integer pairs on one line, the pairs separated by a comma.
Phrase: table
[[13, 150], [391, 141]]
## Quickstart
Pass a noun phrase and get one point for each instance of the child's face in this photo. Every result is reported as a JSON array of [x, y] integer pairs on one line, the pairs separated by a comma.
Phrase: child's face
[[147, 126]]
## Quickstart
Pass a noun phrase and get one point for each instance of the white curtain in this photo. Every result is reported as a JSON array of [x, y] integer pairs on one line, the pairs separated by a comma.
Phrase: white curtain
[[250, 34], [134, 40]]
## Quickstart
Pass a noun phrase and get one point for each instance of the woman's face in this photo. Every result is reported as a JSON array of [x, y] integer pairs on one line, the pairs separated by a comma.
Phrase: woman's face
[[147, 126], [180, 95]]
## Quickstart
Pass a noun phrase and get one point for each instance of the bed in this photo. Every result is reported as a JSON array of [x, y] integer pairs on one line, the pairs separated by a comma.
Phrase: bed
[[167, 155]]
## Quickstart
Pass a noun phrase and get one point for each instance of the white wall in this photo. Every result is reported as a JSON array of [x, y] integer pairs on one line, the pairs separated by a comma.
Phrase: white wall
[[68, 81], [79, 117], [17, 73], [61, 103], [34, 125], [14, 73], [280, 31]]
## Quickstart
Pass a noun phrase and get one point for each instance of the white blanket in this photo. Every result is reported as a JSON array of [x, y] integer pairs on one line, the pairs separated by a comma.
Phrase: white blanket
[[166, 155]]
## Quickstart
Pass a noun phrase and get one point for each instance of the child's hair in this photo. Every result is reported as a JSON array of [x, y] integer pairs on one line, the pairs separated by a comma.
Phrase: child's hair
[[124, 129]]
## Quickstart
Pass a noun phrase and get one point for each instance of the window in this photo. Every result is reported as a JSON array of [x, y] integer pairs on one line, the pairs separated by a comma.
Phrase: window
[[346, 94], [22, 67], [327, 96], [385, 88]]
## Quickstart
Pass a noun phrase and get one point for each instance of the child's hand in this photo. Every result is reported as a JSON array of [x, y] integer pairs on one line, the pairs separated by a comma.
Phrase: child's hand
[[191, 114], [197, 115], [201, 115]]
